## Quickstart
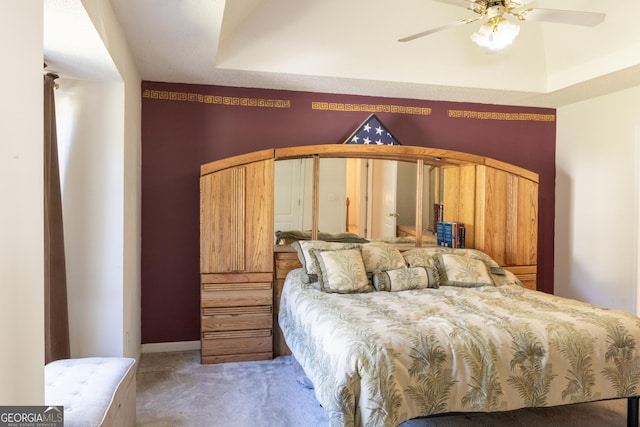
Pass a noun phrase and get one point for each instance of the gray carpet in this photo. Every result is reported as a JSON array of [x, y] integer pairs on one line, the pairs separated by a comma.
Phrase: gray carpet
[[174, 389]]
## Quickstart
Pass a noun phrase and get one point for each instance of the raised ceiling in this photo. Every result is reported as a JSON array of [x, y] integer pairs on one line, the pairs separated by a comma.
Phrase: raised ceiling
[[351, 47]]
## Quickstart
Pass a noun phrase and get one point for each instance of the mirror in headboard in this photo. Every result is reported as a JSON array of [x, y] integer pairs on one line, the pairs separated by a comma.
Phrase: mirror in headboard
[[293, 194], [373, 198]]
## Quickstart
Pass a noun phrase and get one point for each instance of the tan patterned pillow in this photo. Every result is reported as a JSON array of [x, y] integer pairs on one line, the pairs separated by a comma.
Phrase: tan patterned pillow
[[404, 279], [462, 271], [304, 248], [341, 270], [425, 256], [381, 256]]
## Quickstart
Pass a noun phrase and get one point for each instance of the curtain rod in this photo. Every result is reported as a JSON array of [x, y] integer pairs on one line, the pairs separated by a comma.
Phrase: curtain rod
[[54, 76]]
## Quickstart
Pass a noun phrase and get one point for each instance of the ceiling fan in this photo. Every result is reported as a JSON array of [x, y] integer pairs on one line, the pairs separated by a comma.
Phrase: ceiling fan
[[498, 32]]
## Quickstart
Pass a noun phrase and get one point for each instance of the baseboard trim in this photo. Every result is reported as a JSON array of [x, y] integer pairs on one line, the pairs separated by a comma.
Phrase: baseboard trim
[[162, 347]]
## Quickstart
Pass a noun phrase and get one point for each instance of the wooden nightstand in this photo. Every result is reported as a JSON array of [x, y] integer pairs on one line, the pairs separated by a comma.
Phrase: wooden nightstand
[[285, 260], [236, 317]]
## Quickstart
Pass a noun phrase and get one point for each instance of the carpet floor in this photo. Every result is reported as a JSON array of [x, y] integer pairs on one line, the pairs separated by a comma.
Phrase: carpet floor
[[174, 389]]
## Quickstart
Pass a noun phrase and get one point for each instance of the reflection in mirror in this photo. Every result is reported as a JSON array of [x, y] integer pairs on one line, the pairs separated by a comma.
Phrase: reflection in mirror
[[356, 196], [393, 197], [381, 197], [332, 197], [372, 198], [293, 194], [432, 199]]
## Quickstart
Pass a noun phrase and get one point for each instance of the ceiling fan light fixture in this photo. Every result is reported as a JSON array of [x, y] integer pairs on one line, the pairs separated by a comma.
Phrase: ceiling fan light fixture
[[496, 34]]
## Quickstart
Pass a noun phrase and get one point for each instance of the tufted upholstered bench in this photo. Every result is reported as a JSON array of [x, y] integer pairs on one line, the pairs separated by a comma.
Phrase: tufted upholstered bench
[[95, 391]]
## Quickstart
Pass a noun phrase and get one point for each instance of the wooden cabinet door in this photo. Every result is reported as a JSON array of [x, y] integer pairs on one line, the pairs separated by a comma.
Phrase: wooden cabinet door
[[236, 219], [506, 216], [522, 246], [491, 212]]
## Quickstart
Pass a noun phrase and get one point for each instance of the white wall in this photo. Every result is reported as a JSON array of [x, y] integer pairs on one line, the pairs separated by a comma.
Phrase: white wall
[[21, 212], [108, 27], [598, 163], [90, 119]]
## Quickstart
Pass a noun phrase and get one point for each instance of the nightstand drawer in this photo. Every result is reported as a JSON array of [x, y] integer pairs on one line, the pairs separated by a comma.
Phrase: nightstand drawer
[[285, 265], [236, 318], [236, 294], [237, 342]]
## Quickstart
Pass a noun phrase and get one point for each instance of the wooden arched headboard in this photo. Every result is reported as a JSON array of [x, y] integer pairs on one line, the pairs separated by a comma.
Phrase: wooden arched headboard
[[497, 202]]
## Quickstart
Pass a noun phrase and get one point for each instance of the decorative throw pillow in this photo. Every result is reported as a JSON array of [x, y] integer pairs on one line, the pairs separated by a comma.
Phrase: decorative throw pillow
[[381, 256], [341, 270], [406, 278], [304, 248], [462, 271], [424, 256]]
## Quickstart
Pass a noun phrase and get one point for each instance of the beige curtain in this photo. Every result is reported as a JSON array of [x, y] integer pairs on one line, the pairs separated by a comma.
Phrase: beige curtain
[[55, 280]]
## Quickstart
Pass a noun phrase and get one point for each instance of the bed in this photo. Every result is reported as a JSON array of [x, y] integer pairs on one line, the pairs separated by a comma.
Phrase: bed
[[386, 336]]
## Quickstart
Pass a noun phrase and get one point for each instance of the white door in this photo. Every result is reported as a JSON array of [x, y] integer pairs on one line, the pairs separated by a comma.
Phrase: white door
[[288, 195], [383, 197]]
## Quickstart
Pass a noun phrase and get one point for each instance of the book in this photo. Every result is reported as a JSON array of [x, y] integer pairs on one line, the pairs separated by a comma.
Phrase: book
[[450, 234], [438, 212], [461, 235]]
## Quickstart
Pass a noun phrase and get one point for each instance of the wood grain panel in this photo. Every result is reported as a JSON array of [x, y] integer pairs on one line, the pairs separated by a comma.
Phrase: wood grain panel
[[492, 194], [257, 226], [236, 318], [221, 217], [230, 278], [230, 342], [235, 297], [432, 156], [285, 263], [237, 219], [522, 221], [467, 203], [234, 161], [527, 248]]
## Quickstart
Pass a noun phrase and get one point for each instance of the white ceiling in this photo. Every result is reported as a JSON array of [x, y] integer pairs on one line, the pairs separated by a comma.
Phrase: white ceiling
[[350, 46]]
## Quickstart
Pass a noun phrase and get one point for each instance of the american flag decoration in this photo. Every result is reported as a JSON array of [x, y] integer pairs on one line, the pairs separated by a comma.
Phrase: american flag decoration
[[373, 132]]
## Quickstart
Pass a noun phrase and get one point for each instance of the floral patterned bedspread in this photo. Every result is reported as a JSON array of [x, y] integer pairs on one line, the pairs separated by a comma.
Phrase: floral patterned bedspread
[[381, 358]]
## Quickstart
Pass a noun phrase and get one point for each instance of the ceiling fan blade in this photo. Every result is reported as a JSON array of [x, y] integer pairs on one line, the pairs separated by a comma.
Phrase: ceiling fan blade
[[461, 3], [438, 29], [586, 19]]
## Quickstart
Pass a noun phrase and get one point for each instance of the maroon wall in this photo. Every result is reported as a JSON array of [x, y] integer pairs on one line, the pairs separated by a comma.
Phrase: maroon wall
[[184, 126]]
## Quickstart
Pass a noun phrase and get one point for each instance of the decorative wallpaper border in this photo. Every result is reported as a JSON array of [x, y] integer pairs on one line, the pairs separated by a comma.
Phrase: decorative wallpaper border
[[216, 99], [338, 106], [492, 115], [369, 108]]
